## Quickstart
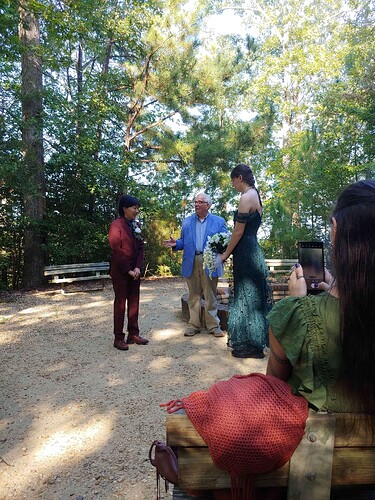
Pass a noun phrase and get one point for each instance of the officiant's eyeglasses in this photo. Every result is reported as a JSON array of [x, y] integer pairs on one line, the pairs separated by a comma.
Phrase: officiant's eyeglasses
[[201, 202]]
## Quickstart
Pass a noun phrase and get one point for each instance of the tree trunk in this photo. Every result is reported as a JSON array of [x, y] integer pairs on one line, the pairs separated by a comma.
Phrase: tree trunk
[[32, 145]]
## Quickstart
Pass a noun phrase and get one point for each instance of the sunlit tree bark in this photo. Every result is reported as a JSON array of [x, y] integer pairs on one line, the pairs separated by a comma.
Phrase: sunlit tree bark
[[32, 145]]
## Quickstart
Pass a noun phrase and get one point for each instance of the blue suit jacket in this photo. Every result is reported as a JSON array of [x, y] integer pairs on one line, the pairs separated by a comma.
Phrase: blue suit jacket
[[186, 242]]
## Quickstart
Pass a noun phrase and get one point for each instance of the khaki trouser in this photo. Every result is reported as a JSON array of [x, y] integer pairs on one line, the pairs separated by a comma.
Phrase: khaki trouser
[[199, 283]]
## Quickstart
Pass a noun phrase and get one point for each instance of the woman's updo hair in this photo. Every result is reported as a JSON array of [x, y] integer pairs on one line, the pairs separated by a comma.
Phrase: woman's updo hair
[[245, 171]]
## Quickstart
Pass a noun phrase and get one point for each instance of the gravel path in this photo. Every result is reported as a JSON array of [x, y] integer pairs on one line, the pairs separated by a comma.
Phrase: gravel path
[[77, 416]]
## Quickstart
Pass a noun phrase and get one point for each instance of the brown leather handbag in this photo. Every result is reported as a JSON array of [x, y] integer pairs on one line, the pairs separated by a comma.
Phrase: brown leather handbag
[[163, 458]]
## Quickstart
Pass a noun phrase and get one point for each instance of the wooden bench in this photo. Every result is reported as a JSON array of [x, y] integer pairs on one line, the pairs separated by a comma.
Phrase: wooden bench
[[337, 450], [280, 266], [279, 270], [69, 273]]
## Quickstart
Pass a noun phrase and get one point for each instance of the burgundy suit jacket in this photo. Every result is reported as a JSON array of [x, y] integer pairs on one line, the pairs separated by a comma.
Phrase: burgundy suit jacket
[[127, 250]]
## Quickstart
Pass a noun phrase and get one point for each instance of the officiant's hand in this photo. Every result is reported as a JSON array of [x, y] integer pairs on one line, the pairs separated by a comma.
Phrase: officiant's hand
[[169, 243]]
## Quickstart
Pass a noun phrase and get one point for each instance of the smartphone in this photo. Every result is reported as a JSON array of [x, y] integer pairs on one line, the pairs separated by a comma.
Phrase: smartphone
[[311, 258]]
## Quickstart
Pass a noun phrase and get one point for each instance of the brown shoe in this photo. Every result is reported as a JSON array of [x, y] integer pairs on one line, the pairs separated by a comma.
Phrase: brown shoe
[[121, 345], [136, 339]]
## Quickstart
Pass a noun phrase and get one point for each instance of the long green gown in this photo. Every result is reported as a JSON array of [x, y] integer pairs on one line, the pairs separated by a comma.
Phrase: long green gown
[[247, 322]]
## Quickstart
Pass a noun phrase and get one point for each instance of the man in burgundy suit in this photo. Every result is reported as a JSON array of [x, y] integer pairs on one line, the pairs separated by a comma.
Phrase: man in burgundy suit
[[127, 258]]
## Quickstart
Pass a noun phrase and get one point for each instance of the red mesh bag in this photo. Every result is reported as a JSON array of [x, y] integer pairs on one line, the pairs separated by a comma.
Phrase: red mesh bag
[[251, 424]]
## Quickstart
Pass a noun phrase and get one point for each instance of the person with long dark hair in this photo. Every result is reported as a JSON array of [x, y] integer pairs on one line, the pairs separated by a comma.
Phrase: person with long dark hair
[[247, 322], [324, 345]]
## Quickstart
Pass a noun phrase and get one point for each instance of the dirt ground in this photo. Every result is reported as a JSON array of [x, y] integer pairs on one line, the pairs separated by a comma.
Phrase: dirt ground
[[77, 417]]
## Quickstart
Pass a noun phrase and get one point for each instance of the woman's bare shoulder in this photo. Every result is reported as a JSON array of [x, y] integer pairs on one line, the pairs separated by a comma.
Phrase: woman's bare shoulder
[[249, 202]]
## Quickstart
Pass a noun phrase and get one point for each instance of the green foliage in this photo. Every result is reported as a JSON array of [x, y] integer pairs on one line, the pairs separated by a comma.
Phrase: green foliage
[[140, 97], [159, 261], [11, 244], [87, 240]]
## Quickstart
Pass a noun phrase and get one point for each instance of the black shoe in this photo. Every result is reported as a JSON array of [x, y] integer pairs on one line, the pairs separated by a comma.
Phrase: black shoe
[[253, 354]]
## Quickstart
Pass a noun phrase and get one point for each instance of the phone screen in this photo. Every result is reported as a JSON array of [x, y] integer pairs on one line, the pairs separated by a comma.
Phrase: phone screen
[[311, 258]]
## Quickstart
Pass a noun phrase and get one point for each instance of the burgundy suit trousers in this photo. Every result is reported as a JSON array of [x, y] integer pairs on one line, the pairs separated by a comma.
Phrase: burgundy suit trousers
[[126, 295]]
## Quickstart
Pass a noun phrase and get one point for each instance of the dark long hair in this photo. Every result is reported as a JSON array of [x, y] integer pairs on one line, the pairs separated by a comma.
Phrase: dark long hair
[[247, 175], [354, 257]]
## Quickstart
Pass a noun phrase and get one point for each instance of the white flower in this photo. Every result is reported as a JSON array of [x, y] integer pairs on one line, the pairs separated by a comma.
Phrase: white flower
[[137, 229], [216, 244]]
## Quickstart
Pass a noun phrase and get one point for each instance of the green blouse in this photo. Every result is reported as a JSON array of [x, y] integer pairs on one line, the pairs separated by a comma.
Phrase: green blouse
[[307, 328]]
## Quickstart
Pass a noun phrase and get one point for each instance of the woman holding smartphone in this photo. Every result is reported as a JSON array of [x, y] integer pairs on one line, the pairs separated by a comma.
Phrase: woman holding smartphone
[[324, 345]]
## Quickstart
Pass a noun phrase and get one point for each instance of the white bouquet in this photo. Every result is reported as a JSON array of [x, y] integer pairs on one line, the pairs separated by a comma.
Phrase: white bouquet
[[216, 244]]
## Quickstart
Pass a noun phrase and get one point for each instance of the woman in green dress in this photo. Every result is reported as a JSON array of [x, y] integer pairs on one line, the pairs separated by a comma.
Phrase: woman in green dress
[[324, 345], [247, 322]]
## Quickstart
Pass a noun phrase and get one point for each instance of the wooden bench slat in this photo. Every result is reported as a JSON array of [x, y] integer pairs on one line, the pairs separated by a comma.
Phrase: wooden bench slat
[[75, 271], [281, 262], [75, 268], [79, 278], [83, 264], [181, 431], [88, 271], [197, 471], [276, 266], [351, 466]]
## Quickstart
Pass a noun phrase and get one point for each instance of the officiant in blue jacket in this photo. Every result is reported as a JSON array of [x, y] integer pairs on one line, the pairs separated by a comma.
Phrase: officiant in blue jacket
[[196, 229]]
